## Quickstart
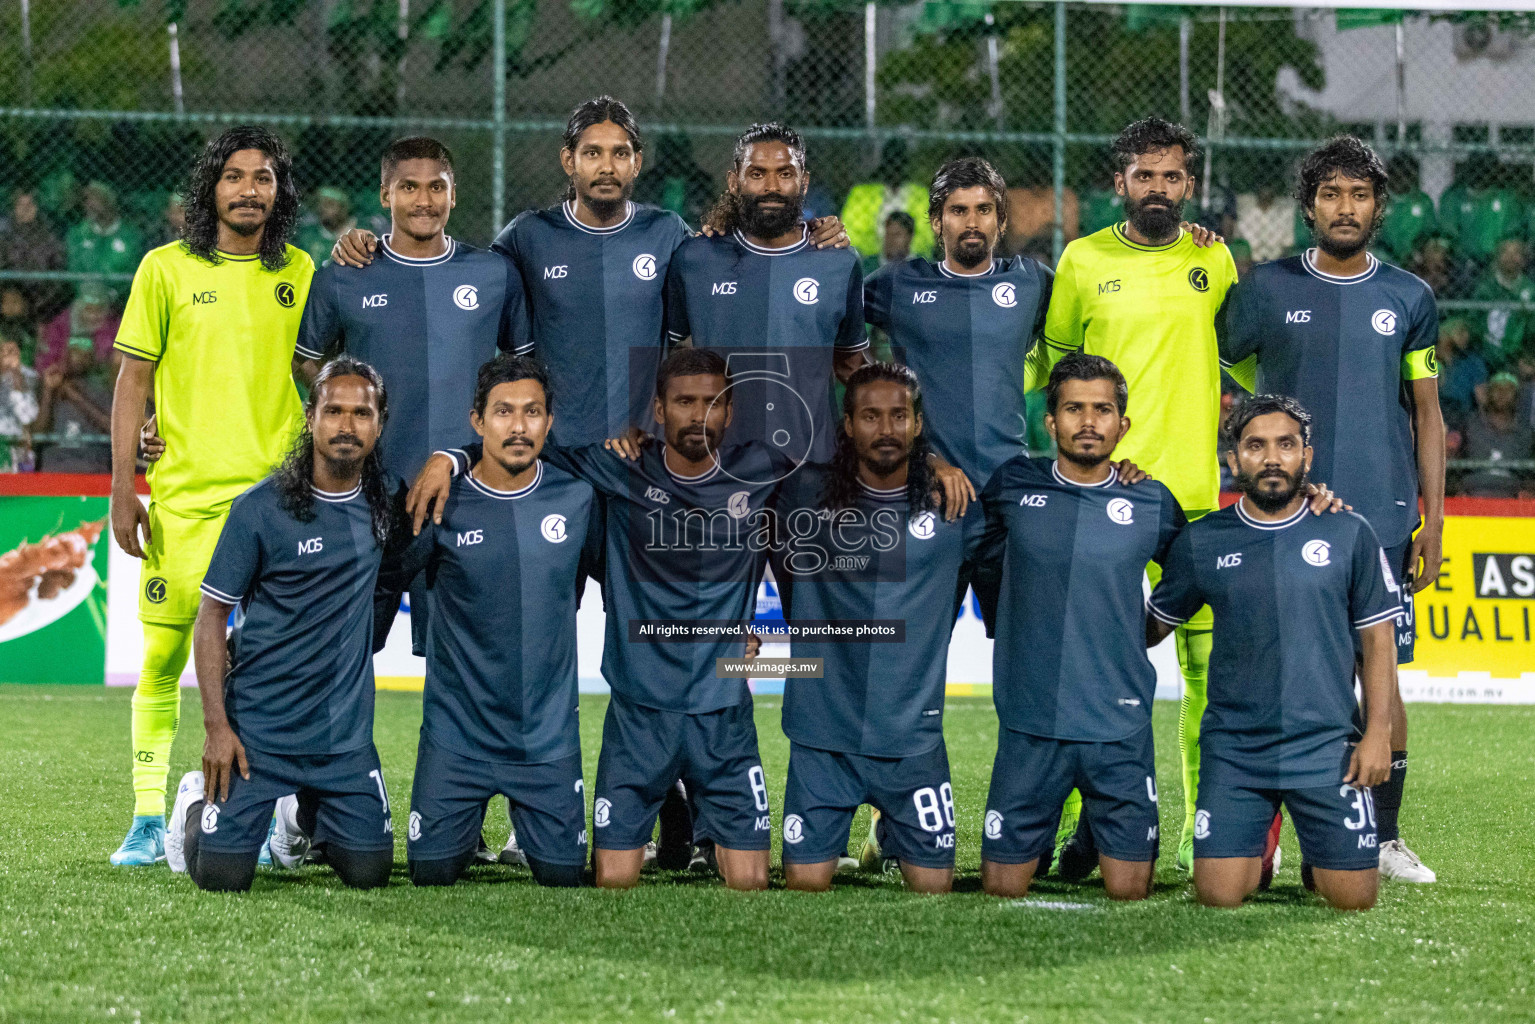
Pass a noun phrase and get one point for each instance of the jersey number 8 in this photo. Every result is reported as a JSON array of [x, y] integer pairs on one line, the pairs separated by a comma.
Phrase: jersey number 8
[[929, 814]]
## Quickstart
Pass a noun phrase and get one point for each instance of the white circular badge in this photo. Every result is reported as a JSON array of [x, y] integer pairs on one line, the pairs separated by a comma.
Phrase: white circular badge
[[1121, 511], [553, 528], [923, 527], [793, 828], [1384, 321], [807, 290], [1004, 294], [645, 267], [1317, 552], [466, 296]]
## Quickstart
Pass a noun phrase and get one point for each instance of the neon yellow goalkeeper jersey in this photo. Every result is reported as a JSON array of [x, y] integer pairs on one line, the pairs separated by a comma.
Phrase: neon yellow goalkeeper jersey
[[221, 337], [1151, 310]]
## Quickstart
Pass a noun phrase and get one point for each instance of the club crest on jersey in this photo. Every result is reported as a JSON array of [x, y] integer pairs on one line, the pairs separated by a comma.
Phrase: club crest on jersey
[[1004, 294], [793, 828], [285, 295], [993, 824], [644, 266], [1317, 552], [923, 527], [553, 528], [154, 590], [1122, 511], [1384, 322], [466, 296], [807, 290], [415, 825], [210, 818], [1202, 825], [602, 812], [740, 504], [1199, 280]]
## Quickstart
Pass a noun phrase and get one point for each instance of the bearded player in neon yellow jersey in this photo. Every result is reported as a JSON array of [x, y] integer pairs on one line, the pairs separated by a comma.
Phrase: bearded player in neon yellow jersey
[[1143, 295], [209, 331]]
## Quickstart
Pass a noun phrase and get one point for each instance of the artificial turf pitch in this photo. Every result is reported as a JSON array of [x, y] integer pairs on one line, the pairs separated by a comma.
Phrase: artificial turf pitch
[[81, 940]]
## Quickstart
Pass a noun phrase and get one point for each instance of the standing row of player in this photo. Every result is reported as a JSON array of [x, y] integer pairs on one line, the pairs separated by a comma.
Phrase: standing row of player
[[602, 283]]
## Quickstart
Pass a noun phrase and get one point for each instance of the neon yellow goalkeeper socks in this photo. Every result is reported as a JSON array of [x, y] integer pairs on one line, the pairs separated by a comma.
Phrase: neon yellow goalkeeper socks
[[157, 711]]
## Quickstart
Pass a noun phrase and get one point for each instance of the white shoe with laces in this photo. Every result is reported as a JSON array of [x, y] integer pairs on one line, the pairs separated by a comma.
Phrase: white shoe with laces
[[1400, 863], [289, 843], [187, 793]]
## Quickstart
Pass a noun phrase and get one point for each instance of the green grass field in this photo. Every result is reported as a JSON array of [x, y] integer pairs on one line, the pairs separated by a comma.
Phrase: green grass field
[[81, 940]]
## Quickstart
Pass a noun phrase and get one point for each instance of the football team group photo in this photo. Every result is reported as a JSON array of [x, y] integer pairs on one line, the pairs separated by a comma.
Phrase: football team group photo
[[610, 407]]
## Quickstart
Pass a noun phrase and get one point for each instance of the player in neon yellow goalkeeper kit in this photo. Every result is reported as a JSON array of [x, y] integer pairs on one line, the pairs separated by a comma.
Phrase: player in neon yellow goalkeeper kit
[[210, 329], [1144, 296]]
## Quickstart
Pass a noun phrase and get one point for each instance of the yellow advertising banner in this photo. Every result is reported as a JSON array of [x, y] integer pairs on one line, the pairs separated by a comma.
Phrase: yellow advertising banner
[[1480, 614]]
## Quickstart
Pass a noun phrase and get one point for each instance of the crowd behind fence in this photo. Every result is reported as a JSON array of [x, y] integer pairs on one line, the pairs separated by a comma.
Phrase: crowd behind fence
[[111, 100]]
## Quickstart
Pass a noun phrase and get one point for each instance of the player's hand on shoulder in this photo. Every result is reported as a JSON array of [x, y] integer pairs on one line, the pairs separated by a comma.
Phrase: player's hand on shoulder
[[1203, 236], [354, 248], [958, 492], [628, 445], [828, 233], [430, 491], [1130, 473], [151, 444], [1320, 498]]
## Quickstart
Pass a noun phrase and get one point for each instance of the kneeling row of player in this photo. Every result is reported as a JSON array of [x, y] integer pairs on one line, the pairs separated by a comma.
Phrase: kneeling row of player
[[1056, 552]]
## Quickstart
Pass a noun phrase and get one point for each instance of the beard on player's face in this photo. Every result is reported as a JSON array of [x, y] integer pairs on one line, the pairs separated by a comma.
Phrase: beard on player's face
[[1271, 488], [243, 224], [971, 249], [769, 221], [1347, 247], [696, 441], [885, 454], [517, 452], [607, 205], [1156, 216]]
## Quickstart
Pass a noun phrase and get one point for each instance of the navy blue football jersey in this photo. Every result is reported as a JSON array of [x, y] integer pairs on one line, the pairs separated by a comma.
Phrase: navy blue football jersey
[[874, 560], [1070, 658], [1347, 349], [1287, 596], [682, 560], [501, 573], [967, 338], [426, 325], [598, 300], [777, 316], [302, 676]]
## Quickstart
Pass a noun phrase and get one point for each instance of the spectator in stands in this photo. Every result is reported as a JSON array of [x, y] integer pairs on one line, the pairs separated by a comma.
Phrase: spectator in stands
[[1266, 216], [18, 408], [1030, 229], [1495, 435], [1435, 263], [173, 220], [673, 180], [896, 246], [1462, 372], [1480, 209], [104, 243], [869, 204], [76, 403], [1410, 217], [332, 219], [90, 316], [28, 243], [1507, 332], [1524, 405], [17, 321]]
